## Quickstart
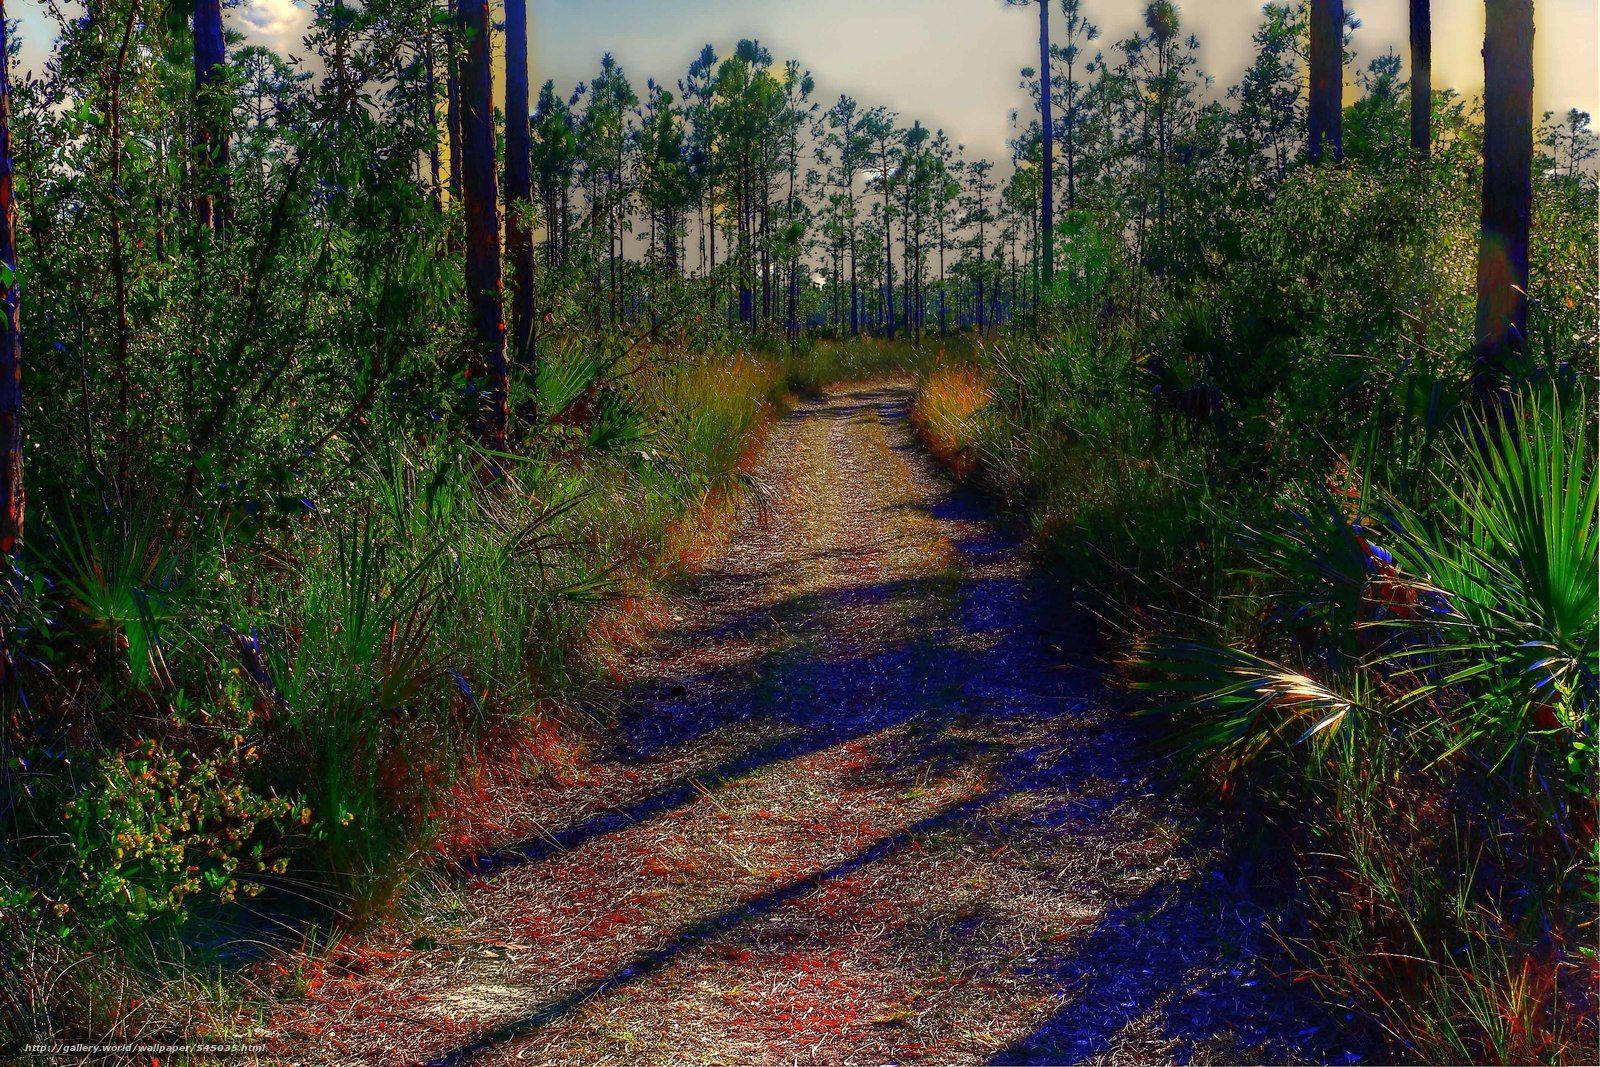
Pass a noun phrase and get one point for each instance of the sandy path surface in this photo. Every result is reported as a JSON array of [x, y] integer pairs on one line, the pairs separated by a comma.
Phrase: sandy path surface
[[866, 803]]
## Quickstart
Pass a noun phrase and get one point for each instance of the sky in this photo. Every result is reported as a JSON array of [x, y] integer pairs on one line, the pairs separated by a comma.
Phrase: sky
[[951, 63]]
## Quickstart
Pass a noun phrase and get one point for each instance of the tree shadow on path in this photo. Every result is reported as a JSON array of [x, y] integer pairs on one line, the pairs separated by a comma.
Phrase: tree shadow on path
[[963, 675]]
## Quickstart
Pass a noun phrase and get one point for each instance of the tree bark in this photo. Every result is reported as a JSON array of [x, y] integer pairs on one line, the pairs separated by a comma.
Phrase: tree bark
[[888, 246], [1502, 319], [431, 88], [211, 126], [452, 99], [12, 499], [519, 183], [1421, 78], [1047, 160], [486, 370], [1325, 115]]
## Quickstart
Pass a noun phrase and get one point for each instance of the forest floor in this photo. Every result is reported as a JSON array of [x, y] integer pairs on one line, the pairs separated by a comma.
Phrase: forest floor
[[866, 799]]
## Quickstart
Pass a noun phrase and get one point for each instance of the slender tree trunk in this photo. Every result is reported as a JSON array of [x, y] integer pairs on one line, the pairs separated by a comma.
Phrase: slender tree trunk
[[766, 252], [119, 262], [565, 248], [452, 98], [211, 125], [12, 499], [981, 268], [1072, 133], [1011, 312], [906, 294], [944, 326], [1502, 319], [486, 372], [1161, 156], [1048, 162], [888, 252], [792, 312], [855, 289], [1421, 78], [158, 202], [432, 89], [519, 183], [1325, 115]]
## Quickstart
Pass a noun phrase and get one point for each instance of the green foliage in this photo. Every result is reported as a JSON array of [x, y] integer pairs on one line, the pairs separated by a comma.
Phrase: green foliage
[[154, 828], [1511, 548], [1345, 592]]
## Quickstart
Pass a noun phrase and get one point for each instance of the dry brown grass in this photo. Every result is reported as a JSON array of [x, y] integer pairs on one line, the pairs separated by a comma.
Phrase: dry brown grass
[[944, 411]]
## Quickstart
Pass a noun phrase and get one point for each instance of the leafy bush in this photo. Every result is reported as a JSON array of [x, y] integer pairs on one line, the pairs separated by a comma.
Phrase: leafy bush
[[1353, 601]]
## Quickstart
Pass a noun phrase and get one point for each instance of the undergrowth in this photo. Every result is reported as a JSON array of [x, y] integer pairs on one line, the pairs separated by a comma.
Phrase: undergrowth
[[285, 719], [1361, 609]]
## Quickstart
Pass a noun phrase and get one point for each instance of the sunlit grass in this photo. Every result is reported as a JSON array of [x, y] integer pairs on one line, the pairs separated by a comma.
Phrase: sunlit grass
[[947, 404]]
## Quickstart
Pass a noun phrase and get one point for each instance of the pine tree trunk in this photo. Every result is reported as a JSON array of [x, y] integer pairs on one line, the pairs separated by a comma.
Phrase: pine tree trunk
[[888, 251], [981, 268], [519, 183], [432, 89], [1072, 133], [486, 371], [211, 125], [855, 288], [1502, 319], [1421, 78], [1048, 160], [944, 325], [905, 255], [1325, 115], [452, 98], [11, 490]]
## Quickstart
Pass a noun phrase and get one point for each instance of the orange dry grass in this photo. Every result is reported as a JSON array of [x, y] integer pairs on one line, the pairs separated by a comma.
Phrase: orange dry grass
[[944, 412]]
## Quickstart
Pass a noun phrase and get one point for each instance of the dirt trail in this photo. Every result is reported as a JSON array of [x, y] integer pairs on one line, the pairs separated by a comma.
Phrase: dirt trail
[[867, 803]]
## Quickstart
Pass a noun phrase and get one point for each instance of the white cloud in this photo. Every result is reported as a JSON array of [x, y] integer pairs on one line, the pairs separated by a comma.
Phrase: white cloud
[[277, 23]]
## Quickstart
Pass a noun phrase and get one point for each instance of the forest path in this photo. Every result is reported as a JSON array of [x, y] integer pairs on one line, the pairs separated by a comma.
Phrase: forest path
[[868, 802]]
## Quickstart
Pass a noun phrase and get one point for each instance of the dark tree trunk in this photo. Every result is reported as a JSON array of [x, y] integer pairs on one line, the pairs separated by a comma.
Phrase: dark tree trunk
[[888, 252], [1421, 78], [11, 494], [1047, 162], [519, 183], [981, 268], [566, 219], [791, 311], [944, 324], [906, 294], [1072, 132], [1325, 115], [211, 126], [486, 371], [766, 252], [1502, 319], [855, 289]]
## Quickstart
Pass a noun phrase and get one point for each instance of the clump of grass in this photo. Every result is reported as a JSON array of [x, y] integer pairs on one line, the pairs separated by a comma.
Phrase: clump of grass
[[1064, 438], [860, 359], [945, 411]]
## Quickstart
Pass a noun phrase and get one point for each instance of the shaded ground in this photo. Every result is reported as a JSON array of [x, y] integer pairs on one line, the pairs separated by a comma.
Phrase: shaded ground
[[865, 803]]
